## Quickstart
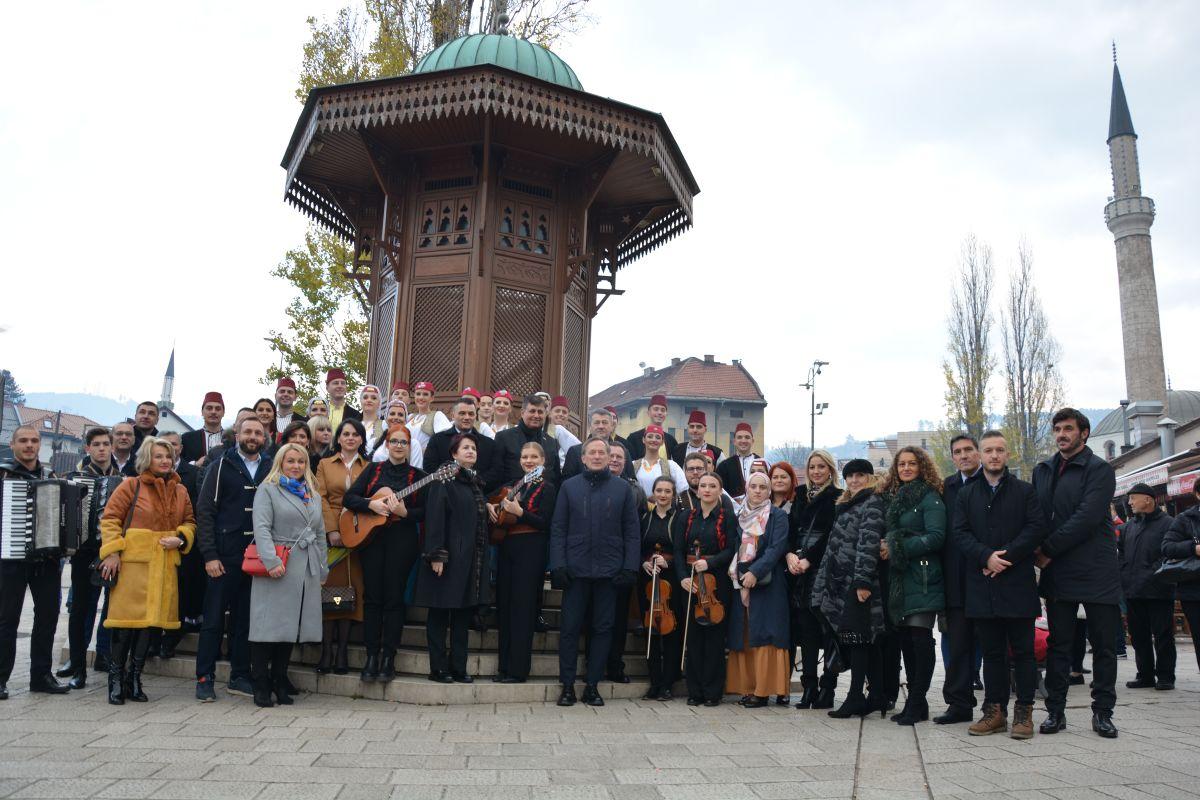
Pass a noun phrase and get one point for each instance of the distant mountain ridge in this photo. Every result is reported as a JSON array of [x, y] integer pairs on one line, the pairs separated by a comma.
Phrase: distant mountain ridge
[[104, 410]]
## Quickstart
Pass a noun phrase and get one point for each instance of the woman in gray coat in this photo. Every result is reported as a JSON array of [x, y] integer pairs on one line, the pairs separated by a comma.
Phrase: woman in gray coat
[[285, 605]]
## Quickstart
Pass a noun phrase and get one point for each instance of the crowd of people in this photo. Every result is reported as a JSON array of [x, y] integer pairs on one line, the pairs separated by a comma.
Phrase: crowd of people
[[286, 529]]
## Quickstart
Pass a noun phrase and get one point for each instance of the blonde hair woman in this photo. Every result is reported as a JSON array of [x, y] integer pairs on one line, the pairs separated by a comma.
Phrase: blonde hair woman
[[285, 604], [147, 524]]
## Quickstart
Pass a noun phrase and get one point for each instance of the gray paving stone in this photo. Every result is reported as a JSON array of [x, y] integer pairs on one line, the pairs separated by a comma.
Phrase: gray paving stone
[[130, 789], [62, 787]]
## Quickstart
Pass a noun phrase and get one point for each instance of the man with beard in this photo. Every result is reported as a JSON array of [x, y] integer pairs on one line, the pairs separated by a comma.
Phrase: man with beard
[[145, 421], [1079, 564], [735, 470], [42, 576], [697, 429], [658, 416], [224, 526], [594, 548], [198, 444], [506, 459], [285, 398]]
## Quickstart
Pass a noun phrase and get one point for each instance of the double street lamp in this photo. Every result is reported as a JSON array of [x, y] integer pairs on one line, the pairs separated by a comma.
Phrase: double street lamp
[[817, 408]]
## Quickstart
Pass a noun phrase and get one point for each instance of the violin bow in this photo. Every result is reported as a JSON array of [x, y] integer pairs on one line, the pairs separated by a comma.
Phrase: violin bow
[[687, 618]]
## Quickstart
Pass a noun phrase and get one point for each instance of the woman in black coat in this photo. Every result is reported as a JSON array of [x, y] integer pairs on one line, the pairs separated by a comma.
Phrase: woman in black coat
[[454, 581], [521, 568], [813, 512], [1182, 540]]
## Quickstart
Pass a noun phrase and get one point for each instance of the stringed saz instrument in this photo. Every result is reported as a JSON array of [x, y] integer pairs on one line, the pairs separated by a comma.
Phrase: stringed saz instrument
[[505, 520], [357, 527]]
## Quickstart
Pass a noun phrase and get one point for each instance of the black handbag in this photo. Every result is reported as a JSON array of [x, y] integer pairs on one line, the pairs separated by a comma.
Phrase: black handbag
[[338, 599], [1179, 570], [744, 567]]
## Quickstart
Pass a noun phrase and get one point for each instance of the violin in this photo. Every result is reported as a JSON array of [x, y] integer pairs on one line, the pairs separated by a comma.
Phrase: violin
[[660, 617], [708, 610]]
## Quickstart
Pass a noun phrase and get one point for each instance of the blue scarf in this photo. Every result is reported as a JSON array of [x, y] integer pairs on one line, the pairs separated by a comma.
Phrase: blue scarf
[[296, 486]]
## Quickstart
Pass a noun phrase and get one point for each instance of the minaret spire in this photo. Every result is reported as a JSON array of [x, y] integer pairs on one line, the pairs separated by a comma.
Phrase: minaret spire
[[1120, 123], [168, 387]]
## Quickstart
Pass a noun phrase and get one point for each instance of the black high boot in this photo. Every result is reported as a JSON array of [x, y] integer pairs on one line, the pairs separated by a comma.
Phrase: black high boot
[[281, 654], [370, 670], [326, 660], [341, 663], [118, 652], [138, 651], [387, 666]]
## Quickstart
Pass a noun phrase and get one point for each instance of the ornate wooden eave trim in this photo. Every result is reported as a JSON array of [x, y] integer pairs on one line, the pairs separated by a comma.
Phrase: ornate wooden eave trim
[[654, 235], [319, 210]]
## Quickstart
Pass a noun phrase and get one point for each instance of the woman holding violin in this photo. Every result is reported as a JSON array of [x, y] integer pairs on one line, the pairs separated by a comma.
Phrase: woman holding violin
[[759, 634], [704, 547], [659, 594], [388, 558], [522, 516]]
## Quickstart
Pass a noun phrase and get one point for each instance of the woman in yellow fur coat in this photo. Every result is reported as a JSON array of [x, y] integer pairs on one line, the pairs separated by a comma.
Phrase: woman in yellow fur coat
[[147, 524]]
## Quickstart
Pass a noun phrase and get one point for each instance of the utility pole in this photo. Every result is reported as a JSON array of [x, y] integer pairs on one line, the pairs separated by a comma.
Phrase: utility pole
[[811, 385]]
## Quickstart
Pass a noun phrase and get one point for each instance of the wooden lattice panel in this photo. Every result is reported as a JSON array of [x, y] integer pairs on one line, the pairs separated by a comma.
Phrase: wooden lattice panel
[[572, 362], [436, 335], [383, 340], [518, 333]]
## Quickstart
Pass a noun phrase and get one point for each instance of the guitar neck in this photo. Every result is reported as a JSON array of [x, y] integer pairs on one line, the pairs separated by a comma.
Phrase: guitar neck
[[418, 486]]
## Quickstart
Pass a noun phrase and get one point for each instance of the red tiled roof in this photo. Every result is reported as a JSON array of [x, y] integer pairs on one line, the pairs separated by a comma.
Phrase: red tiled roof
[[71, 424], [692, 379]]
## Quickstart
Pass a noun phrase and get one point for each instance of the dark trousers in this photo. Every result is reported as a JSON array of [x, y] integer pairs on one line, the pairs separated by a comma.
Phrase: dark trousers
[[1103, 620], [520, 575], [865, 665], [230, 592], [387, 561], [1191, 611], [584, 594], [42, 578], [916, 645], [1152, 631], [84, 599], [665, 651], [706, 661], [458, 621], [269, 664], [192, 583], [886, 651], [810, 634], [615, 667], [958, 653], [998, 636]]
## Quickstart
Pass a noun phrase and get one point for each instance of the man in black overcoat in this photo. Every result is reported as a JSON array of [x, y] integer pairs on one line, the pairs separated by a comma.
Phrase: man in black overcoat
[[1150, 602]]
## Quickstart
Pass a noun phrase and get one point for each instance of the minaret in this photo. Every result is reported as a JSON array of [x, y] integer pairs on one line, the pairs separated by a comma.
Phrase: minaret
[[1129, 215], [168, 384]]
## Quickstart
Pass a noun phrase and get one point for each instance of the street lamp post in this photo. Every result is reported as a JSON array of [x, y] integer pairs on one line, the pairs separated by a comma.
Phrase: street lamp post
[[811, 385]]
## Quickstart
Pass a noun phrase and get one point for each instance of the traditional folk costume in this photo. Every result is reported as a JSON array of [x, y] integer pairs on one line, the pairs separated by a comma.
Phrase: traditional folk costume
[[716, 536], [424, 424]]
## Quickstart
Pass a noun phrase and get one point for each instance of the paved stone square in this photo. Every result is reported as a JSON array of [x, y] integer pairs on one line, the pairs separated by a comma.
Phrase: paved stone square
[[332, 747]]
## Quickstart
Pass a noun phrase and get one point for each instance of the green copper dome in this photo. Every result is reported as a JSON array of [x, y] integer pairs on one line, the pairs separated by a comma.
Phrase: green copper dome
[[508, 52]]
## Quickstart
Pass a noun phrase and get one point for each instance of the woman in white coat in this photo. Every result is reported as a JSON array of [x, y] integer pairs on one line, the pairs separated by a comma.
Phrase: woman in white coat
[[285, 604]]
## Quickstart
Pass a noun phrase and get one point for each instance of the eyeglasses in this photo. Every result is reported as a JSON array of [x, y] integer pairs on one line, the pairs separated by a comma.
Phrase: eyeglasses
[[398, 442], [697, 469]]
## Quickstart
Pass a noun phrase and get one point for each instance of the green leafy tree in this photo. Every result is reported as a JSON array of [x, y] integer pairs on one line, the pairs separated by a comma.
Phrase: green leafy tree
[[328, 320], [13, 393]]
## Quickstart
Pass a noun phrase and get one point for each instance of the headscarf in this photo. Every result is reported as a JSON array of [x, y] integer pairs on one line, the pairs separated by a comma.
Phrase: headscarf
[[752, 519]]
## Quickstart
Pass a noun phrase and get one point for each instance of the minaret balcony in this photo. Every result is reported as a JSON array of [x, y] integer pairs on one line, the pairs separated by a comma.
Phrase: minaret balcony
[[1123, 206]]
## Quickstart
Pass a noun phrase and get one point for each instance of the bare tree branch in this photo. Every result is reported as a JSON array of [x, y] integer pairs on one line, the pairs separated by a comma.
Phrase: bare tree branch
[[968, 370]]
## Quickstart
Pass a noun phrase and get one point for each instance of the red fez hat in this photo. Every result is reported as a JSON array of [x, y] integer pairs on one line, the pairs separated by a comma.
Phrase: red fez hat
[[398, 385], [425, 385], [698, 416], [612, 410], [559, 400], [214, 397], [334, 375], [744, 426], [659, 400], [470, 392], [654, 429], [505, 393], [285, 382]]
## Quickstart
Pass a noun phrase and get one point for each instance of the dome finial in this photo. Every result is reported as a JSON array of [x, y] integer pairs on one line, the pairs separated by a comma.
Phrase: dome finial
[[502, 23], [1114, 51]]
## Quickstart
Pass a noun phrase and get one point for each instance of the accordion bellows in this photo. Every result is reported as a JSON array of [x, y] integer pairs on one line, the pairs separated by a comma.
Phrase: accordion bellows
[[147, 590]]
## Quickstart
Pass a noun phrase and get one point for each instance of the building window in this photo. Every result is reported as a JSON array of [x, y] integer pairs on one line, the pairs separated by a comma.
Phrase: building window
[[1110, 450], [688, 410], [735, 413], [633, 412]]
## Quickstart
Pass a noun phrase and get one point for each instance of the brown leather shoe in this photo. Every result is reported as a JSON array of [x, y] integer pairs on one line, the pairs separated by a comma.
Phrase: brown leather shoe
[[1022, 727], [994, 720]]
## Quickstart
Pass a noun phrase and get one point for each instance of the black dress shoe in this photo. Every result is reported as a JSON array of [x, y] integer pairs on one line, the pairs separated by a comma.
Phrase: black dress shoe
[[619, 677], [78, 680], [807, 697], [711, 703], [977, 685], [953, 715], [651, 693], [1165, 686], [441, 677], [47, 684], [567, 698], [664, 695], [3, 691], [1102, 724], [756, 702], [694, 701], [511, 679], [824, 698], [66, 670], [1055, 722], [461, 677], [1075, 680], [591, 696], [387, 667], [1140, 683], [370, 670], [783, 700], [499, 677]]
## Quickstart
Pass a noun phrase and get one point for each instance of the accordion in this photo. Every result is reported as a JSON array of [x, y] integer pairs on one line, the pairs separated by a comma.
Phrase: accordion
[[40, 519], [99, 489]]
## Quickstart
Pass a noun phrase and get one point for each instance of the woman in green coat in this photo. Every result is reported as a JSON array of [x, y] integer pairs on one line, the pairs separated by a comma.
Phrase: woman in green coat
[[916, 531]]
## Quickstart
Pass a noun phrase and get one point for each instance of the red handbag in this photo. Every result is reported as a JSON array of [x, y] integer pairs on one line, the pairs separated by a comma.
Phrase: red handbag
[[253, 565]]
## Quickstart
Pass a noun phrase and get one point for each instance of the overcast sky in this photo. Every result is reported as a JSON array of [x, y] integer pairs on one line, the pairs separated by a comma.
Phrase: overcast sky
[[843, 152]]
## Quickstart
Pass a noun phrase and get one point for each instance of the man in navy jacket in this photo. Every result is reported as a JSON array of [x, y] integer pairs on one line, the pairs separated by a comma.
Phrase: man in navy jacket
[[594, 550]]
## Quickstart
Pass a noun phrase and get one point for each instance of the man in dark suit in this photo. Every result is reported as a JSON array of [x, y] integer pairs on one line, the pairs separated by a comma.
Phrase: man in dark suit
[[192, 580], [196, 444], [603, 426], [437, 452], [735, 469], [658, 416], [506, 460], [697, 430]]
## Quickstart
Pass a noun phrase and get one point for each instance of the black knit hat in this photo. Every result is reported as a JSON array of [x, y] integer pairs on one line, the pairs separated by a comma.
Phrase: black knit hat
[[1141, 488], [857, 465]]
